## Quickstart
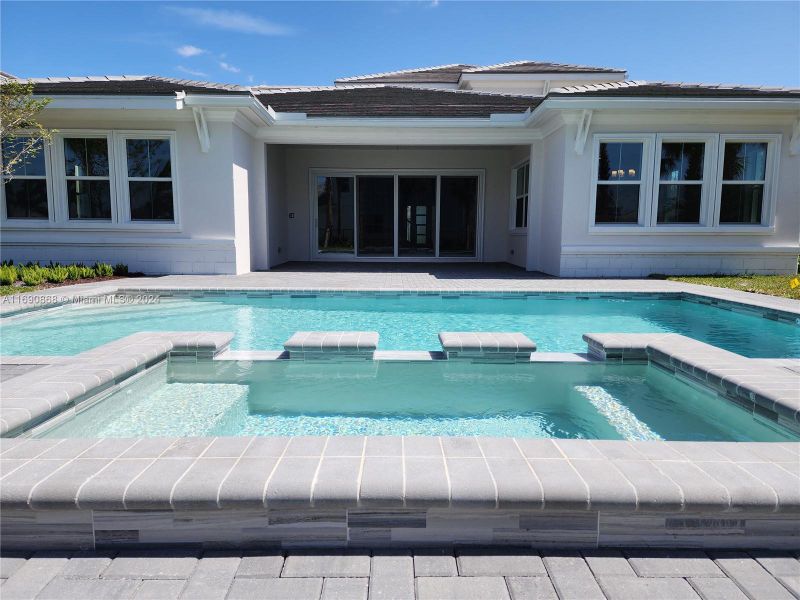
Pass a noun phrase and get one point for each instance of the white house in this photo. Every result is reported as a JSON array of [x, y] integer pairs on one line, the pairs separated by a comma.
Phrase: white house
[[566, 169]]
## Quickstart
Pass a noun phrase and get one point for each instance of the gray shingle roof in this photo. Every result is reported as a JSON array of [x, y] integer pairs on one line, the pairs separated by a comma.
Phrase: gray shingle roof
[[440, 74], [661, 89], [532, 66], [394, 101], [130, 85]]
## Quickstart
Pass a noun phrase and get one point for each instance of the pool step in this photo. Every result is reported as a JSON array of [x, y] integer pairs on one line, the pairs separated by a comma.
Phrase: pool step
[[487, 345], [324, 345]]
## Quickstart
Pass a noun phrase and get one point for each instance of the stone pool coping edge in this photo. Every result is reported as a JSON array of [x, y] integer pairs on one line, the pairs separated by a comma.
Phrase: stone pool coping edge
[[43, 393]]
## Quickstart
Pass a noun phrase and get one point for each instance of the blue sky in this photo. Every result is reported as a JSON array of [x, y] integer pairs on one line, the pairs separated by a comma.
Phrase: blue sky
[[315, 42]]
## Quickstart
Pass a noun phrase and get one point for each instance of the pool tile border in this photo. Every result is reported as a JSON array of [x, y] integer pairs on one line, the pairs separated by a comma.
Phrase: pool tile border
[[406, 489]]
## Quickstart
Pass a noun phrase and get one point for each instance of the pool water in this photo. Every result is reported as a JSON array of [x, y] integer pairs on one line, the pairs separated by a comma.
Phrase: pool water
[[555, 322], [530, 400]]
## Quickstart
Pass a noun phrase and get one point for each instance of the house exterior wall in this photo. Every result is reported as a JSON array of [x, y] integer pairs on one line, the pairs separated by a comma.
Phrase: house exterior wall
[[584, 252], [549, 204], [212, 234], [277, 211], [517, 240], [299, 160]]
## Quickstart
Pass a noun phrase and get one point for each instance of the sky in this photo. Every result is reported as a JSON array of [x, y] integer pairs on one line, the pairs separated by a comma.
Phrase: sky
[[312, 43]]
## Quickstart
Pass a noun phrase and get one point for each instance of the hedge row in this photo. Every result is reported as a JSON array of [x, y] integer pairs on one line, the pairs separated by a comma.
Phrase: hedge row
[[35, 274]]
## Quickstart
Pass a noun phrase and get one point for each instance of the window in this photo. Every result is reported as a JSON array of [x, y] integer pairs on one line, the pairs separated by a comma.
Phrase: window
[[744, 179], [519, 206], [680, 183], [26, 190], [88, 176], [619, 182], [149, 179]]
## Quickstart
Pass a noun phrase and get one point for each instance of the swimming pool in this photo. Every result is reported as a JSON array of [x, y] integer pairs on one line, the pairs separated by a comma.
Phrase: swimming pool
[[527, 400], [404, 322]]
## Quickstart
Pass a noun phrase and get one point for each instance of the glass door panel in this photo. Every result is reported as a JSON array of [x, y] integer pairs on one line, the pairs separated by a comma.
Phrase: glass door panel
[[416, 216], [458, 214], [375, 215], [335, 215]]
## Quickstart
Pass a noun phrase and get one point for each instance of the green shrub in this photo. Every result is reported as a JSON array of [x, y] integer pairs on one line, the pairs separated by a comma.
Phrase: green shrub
[[73, 272], [32, 274], [55, 274], [8, 274], [86, 272], [120, 269], [103, 269]]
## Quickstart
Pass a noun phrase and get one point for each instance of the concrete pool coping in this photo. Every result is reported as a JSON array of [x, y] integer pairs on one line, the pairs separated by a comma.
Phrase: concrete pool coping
[[383, 490]]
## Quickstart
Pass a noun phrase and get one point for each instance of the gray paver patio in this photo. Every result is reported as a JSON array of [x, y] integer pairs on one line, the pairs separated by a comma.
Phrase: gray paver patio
[[427, 573]]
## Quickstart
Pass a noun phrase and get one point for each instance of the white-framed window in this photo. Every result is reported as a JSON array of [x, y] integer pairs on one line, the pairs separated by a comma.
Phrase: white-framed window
[[86, 172], [746, 172], [26, 194], [684, 179], [147, 177], [520, 186], [683, 183], [95, 180], [620, 180]]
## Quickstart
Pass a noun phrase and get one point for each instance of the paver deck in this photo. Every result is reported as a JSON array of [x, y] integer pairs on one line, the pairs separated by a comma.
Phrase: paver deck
[[430, 574]]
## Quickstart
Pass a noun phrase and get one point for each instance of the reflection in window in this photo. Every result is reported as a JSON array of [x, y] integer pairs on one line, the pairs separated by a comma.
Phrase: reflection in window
[[376, 215], [416, 219], [521, 183], [619, 182], [335, 201], [86, 166], [26, 189], [744, 171], [149, 179], [458, 212], [681, 182]]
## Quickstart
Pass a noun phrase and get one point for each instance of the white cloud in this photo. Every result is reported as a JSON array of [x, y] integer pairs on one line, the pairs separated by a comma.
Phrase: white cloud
[[191, 72], [433, 4], [231, 20], [188, 50], [228, 67]]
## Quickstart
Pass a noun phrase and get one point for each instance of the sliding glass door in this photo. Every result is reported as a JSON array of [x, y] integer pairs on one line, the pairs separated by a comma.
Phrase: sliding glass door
[[335, 215], [375, 215], [416, 216], [458, 207], [426, 215]]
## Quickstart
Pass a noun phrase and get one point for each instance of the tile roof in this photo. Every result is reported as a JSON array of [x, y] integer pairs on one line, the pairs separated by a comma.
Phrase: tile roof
[[657, 89], [130, 85], [532, 66], [393, 101], [438, 74]]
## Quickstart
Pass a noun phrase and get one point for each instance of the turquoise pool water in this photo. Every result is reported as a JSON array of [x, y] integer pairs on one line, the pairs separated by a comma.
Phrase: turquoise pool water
[[555, 323], [533, 400]]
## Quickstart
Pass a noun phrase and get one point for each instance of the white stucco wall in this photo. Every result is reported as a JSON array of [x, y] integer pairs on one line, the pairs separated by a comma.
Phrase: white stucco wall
[[640, 252], [212, 190], [277, 211], [299, 160]]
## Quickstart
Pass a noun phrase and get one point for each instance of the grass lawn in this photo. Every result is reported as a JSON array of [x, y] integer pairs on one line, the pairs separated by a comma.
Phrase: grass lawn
[[772, 285], [7, 290]]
